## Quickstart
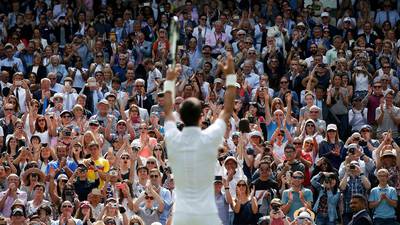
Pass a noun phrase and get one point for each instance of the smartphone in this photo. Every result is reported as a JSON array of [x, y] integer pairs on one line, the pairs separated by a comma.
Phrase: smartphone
[[18, 82]]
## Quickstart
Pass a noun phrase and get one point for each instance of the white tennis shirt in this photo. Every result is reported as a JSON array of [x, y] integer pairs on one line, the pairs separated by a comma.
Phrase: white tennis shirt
[[192, 154]]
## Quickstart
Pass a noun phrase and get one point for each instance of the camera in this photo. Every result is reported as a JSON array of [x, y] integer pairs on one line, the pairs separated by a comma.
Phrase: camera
[[362, 143], [352, 151], [352, 167], [275, 207]]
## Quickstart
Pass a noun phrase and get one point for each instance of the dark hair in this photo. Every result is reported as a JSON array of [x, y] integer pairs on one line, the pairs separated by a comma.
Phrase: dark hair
[[361, 198], [37, 127], [142, 167], [190, 111], [290, 146], [163, 156]]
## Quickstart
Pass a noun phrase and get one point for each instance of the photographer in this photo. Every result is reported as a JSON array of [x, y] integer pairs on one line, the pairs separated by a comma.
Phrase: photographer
[[276, 214], [80, 181], [353, 182], [328, 198], [355, 153]]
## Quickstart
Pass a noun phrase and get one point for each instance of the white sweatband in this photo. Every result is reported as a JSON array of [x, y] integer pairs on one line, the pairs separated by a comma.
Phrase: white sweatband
[[230, 80], [169, 85]]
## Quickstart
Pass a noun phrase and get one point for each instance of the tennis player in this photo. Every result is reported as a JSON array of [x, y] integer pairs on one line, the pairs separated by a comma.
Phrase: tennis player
[[192, 152]]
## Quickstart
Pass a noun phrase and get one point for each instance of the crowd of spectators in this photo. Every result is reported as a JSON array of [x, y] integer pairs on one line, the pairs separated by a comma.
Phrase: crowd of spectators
[[314, 137]]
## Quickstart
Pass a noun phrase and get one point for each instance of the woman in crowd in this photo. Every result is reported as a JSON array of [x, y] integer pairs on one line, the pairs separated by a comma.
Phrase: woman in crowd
[[244, 205]]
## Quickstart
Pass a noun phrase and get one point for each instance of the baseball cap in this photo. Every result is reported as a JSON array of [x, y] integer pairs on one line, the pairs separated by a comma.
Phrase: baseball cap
[[325, 14], [331, 127], [103, 101], [276, 201], [230, 158]]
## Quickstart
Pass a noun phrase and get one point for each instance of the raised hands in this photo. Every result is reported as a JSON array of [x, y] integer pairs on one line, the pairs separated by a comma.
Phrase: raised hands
[[229, 66]]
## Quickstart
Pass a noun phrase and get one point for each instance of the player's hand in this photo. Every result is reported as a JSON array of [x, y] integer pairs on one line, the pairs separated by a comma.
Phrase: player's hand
[[173, 73], [229, 66]]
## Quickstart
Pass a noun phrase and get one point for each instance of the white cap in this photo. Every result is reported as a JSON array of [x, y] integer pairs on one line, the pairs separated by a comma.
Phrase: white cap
[[347, 19], [218, 80], [331, 127], [325, 14], [301, 24], [256, 133], [230, 158]]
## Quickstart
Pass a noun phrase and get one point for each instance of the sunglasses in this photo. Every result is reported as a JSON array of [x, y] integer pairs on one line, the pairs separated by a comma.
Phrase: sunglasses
[[284, 82], [157, 149], [297, 143], [280, 134], [67, 206], [241, 185], [151, 162], [298, 177], [153, 176], [149, 197], [310, 125]]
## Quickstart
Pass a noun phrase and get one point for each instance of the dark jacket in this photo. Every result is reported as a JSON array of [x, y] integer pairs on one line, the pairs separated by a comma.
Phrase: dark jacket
[[41, 73], [361, 219]]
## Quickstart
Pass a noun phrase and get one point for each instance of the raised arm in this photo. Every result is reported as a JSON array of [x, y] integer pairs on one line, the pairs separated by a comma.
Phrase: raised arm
[[228, 69], [169, 91]]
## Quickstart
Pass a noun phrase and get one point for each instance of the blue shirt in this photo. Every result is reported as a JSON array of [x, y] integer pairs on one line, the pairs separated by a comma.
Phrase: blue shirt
[[333, 198], [383, 210], [55, 164], [272, 126], [296, 203]]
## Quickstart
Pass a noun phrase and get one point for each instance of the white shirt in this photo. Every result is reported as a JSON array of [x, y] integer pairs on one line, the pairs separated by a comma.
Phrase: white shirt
[[151, 80], [69, 100], [21, 98], [58, 88], [192, 157]]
